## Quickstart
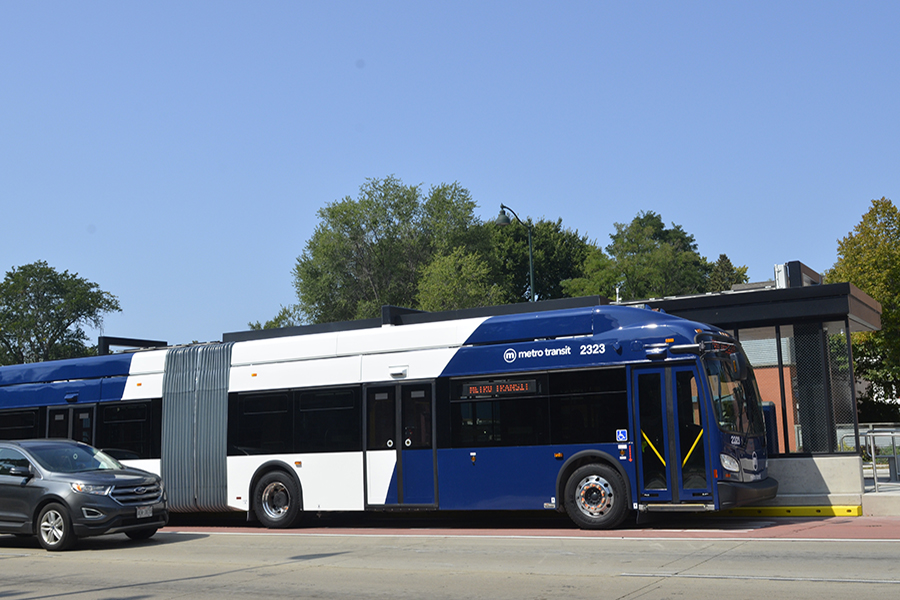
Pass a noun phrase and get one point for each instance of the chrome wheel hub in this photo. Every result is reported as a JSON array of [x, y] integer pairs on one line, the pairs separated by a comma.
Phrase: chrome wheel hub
[[276, 500], [594, 496]]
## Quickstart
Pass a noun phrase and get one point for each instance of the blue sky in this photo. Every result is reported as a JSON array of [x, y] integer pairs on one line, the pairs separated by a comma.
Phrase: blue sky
[[176, 153]]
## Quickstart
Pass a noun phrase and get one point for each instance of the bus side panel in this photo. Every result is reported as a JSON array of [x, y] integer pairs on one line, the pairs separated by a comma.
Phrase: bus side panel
[[139, 387], [112, 388], [93, 367], [286, 375], [418, 476], [50, 394], [145, 378], [147, 464], [512, 478], [381, 477], [518, 477], [317, 473]]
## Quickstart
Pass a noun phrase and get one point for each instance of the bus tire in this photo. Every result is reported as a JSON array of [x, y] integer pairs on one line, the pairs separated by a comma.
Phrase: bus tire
[[54, 528], [595, 497], [276, 500]]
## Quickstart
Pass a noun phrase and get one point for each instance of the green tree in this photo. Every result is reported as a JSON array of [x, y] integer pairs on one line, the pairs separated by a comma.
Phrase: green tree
[[288, 316], [869, 258], [645, 259], [559, 255], [370, 251], [724, 275], [655, 261], [600, 277], [43, 312], [457, 280]]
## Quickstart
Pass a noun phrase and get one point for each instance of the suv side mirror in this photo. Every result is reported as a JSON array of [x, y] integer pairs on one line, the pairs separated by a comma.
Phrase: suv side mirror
[[21, 472]]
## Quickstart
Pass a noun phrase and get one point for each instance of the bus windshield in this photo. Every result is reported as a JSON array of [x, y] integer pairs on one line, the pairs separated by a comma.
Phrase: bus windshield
[[734, 392]]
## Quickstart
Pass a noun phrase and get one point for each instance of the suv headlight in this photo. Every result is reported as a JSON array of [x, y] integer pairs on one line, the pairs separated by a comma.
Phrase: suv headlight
[[87, 488]]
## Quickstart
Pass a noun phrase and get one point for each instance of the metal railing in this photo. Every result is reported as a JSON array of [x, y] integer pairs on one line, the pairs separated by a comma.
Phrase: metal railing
[[893, 459]]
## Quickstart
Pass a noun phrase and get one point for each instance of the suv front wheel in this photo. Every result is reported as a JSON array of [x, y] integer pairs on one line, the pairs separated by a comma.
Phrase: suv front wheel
[[54, 528]]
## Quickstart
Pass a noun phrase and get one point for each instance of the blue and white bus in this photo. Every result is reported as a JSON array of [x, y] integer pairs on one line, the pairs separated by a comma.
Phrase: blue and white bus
[[572, 406]]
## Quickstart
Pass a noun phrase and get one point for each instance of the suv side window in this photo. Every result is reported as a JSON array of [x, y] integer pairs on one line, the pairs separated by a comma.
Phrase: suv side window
[[10, 458]]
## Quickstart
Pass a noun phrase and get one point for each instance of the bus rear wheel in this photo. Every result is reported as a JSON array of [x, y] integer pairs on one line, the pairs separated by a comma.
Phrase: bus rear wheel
[[276, 500], [595, 497]]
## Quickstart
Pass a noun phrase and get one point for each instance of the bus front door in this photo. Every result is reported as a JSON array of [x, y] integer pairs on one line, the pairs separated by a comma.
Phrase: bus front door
[[400, 459], [674, 449]]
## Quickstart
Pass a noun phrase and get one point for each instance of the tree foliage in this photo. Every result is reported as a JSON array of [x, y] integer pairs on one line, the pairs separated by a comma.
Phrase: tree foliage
[[600, 277], [869, 258], [43, 312], [655, 261], [396, 245], [723, 275], [559, 255], [457, 280], [288, 316], [369, 251], [646, 259]]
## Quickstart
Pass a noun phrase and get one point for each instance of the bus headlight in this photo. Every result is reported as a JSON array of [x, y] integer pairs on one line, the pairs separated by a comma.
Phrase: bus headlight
[[729, 463]]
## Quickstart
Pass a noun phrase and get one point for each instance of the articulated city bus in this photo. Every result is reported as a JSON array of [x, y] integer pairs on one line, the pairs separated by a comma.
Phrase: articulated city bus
[[588, 409]]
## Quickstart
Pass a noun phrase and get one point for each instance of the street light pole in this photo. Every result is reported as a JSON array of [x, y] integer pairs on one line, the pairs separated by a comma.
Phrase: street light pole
[[503, 220]]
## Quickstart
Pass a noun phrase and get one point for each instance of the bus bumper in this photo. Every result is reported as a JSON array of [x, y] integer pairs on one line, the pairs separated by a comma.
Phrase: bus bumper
[[733, 493]]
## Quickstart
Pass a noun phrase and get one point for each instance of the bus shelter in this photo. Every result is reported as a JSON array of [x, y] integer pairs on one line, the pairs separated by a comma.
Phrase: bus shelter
[[795, 332]]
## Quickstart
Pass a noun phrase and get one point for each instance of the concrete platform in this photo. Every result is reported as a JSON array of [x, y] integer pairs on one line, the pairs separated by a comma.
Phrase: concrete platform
[[883, 503], [828, 486]]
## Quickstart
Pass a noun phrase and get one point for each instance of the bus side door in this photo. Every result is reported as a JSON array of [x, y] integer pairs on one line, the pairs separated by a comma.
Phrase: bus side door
[[673, 461], [71, 422], [400, 457]]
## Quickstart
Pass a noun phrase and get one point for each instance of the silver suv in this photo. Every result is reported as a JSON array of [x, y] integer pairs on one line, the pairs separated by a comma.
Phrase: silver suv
[[61, 490]]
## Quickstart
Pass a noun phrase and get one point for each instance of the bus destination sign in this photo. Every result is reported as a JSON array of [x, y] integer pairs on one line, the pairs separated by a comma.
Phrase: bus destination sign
[[500, 388]]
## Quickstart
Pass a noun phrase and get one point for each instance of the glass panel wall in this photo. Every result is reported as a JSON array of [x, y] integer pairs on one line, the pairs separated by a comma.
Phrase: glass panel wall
[[842, 387], [805, 382]]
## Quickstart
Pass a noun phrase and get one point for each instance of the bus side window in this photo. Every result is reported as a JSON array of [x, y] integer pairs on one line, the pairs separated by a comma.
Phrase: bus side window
[[126, 431], [507, 422], [327, 421], [20, 424], [264, 424]]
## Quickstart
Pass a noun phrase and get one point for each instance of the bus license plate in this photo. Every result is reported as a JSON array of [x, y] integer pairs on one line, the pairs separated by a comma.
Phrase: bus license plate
[[144, 511]]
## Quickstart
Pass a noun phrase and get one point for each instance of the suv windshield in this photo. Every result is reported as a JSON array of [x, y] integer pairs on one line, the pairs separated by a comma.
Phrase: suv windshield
[[65, 458], [734, 391]]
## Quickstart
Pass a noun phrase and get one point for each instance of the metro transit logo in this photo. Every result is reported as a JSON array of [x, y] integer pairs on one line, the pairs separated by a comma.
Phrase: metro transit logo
[[510, 355]]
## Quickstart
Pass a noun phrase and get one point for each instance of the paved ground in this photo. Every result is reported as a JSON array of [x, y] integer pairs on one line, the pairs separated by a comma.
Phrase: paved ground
[[543, 525], [505, 556]]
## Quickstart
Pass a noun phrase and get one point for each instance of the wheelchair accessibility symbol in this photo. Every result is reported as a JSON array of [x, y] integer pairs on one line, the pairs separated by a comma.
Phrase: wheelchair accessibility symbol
[[621, 435]]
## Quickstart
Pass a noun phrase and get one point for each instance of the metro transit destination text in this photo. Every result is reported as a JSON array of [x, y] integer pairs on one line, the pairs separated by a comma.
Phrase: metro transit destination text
[[499, 388]]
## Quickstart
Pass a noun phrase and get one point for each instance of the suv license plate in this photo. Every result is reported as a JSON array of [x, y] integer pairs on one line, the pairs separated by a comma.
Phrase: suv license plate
[[144, 511]]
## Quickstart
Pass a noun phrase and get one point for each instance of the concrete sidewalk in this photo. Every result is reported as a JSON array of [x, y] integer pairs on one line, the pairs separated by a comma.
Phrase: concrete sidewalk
[[827, 486], [883, 503]]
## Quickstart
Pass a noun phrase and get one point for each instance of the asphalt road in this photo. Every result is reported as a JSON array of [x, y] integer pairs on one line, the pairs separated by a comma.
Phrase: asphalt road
[[485, 557]]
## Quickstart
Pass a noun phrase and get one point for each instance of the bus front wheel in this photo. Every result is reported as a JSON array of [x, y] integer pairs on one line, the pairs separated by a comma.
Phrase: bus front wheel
[[276, 500], [595, 497]]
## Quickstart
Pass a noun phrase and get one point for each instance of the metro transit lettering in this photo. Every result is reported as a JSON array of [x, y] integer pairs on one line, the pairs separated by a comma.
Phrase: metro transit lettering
[[540, 352]]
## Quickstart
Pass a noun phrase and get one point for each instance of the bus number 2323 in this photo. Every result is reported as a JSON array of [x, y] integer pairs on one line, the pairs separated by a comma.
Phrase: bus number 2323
[[593, 349]]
